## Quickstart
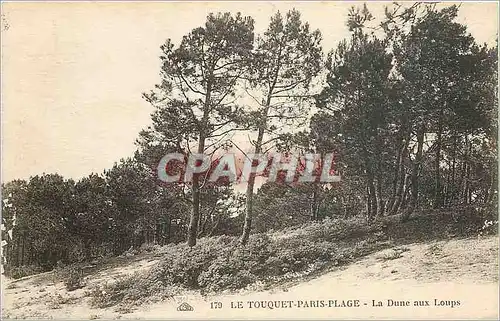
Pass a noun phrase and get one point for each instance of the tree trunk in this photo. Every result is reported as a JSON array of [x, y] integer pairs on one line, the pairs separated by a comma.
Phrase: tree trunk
[[369, 205], [397, 174], [452, 192], [377, 175], [463, 178], [195, 213], [468, 191], [491, 188], [381, 202], [401, 193], [247, 227], [200, 222], [415, 176], [446, 189], [22, 249], [248, 210], [315, 205], [372, 197], [438, 201], [402, 177]]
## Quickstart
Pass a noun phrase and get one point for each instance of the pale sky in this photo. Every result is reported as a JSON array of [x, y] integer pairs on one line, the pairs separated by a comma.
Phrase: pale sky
[[73, 73]]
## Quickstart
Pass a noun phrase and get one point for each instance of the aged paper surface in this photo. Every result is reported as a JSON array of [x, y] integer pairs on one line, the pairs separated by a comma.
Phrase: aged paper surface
[[96, 103]]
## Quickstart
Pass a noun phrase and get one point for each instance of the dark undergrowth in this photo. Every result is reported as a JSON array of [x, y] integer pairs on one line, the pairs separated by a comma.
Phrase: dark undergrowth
[[221, 264]]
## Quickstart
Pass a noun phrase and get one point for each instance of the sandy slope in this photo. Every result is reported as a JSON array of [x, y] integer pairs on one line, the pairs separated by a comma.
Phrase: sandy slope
[[456, 270]]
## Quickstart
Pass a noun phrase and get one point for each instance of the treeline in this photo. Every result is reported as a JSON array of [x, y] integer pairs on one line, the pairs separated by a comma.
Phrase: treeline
[[49, 219], [408, 104]]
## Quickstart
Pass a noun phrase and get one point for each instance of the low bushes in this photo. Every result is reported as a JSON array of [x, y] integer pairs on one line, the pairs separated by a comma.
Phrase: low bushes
[[18, 272], [183, 265], [221, 263], [131, 290], [73, 278]]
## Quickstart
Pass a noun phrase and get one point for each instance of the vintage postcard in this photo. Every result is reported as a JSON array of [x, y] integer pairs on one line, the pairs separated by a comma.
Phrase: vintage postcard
[[249, 160]]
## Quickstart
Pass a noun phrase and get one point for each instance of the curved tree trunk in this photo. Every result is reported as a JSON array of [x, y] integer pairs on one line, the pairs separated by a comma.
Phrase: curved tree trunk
[[415, 176], [247, 227], [397, 174]]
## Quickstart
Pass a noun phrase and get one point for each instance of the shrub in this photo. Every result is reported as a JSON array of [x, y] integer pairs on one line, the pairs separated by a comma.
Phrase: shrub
[[434, 249], [263, 259], [129, 291], [239, 266], [297, 253], [148, 248], [183, 265], [226, 274], [18, 272], [335, 229], [73, 278], [391, 255], [221, 263], [110, 294]]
